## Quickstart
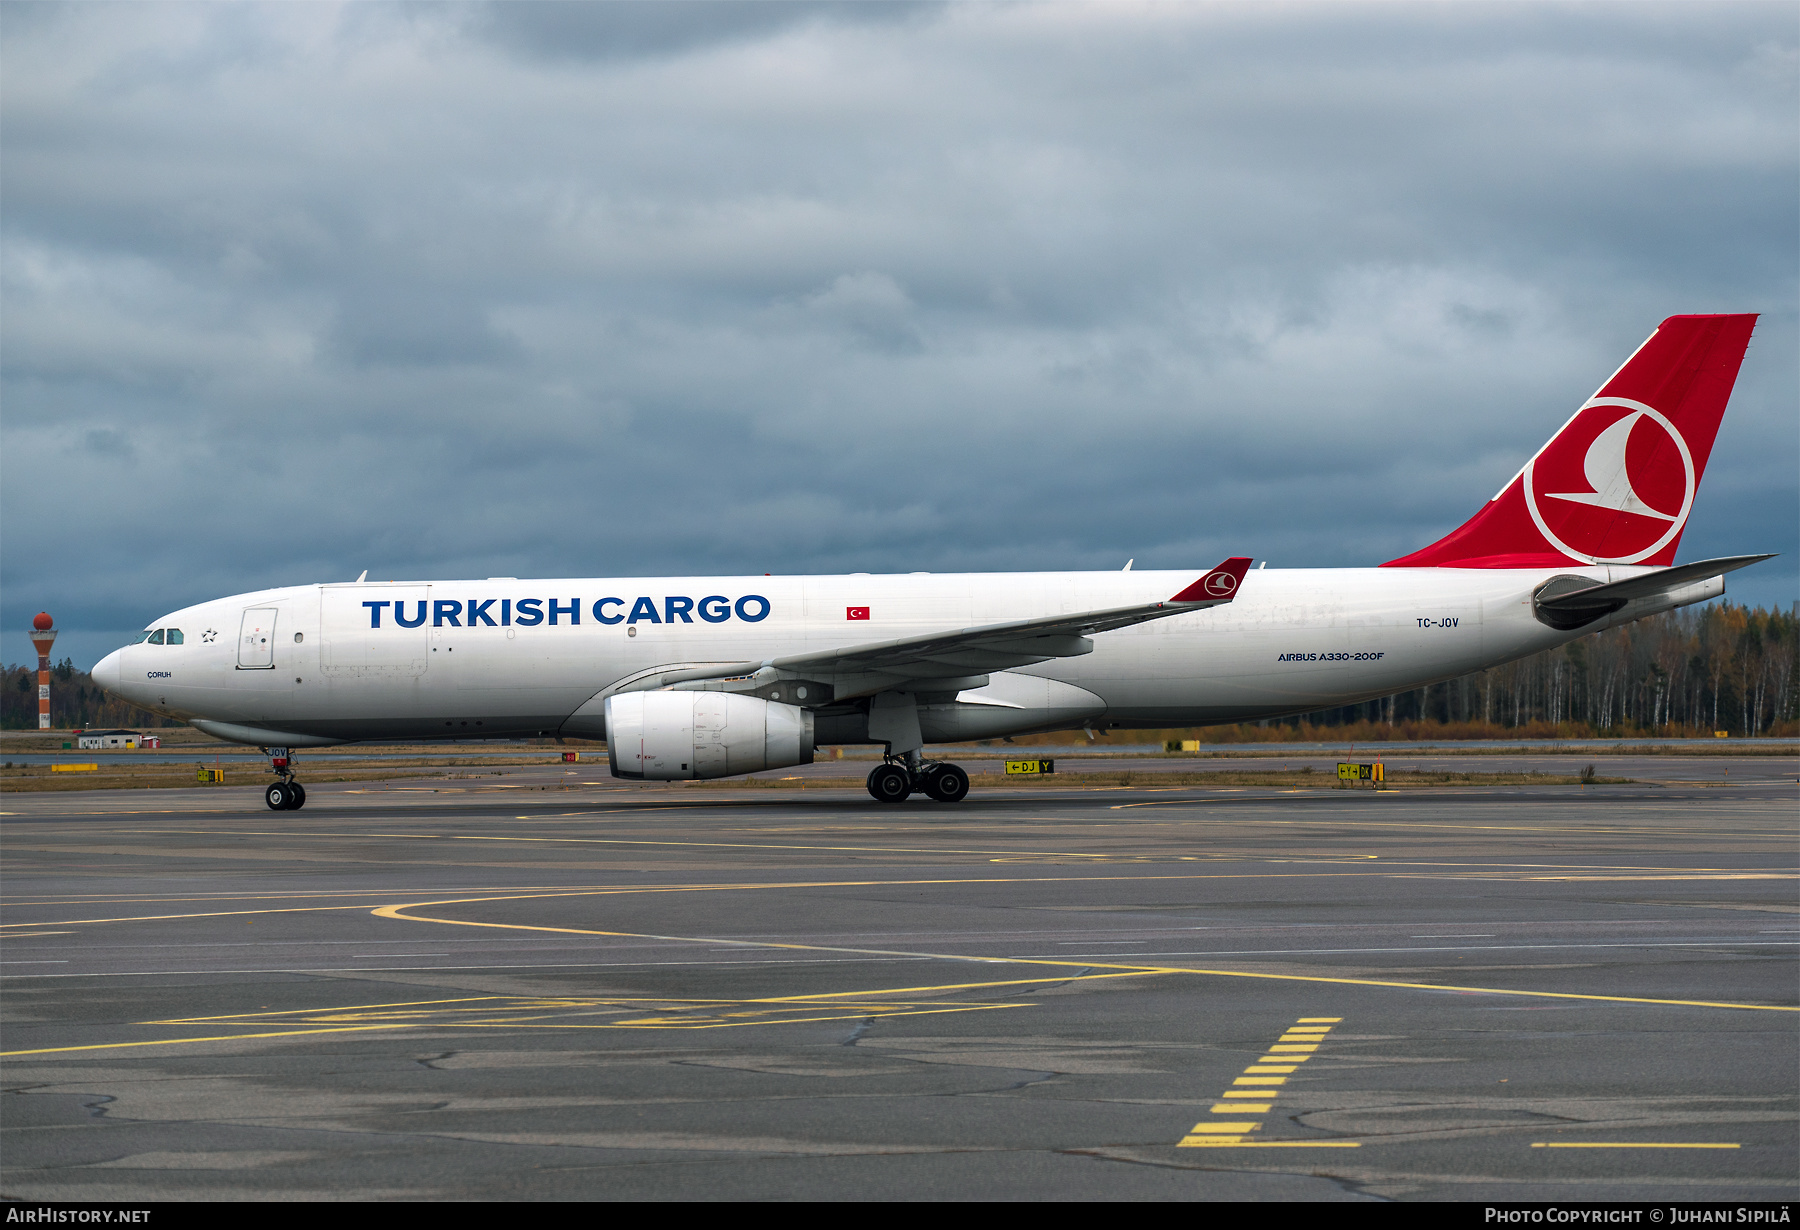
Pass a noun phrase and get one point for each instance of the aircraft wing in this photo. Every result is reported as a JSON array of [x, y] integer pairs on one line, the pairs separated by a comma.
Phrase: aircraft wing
[[950, 659]]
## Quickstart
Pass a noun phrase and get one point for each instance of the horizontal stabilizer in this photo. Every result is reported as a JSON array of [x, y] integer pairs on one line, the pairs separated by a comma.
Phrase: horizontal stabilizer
[[1650, 583], [1570, 602]]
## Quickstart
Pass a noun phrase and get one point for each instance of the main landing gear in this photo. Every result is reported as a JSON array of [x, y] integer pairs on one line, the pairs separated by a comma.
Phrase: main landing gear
[[893, 781], [286, 794]]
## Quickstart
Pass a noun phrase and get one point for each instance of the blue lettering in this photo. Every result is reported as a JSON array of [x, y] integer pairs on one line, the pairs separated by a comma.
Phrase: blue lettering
[[374, 613], [609, 619], [573, 611], [673, 607], [446, 608], [715, 609], [400, 615], [478, 611], [745, 615], [643, 608], [531, 611], [506, 612]]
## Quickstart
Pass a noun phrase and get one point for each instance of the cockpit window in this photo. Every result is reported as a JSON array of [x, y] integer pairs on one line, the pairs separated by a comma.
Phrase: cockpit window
[[142, 637], [156, 637], [174, 637]]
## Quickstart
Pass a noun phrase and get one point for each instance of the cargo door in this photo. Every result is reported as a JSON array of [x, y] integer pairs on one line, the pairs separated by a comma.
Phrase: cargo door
[[374, 631], [256, 639]]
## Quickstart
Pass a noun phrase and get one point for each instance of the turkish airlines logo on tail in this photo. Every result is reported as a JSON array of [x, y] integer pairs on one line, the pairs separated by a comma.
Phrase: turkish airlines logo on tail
[[1219, 584], [1615, 486]]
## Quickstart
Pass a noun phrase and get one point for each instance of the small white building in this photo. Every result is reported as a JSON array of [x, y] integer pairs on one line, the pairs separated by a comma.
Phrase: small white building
[[99, 740]]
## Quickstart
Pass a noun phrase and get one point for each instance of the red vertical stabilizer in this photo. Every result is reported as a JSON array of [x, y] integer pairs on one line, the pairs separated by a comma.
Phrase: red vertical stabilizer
[[1616, 484]]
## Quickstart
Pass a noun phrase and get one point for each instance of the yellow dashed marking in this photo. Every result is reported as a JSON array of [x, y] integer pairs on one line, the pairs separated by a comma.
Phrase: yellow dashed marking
[[1231, 1135]]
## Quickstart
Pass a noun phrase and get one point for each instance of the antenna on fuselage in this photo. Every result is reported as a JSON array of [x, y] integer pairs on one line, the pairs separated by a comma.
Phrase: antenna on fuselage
[[363, 577], [1128, 564]]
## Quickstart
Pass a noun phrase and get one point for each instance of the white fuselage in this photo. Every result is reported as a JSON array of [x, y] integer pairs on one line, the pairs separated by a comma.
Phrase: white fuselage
[[331, 663]]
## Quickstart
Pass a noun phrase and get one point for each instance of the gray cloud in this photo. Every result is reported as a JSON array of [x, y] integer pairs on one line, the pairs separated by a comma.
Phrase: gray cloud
[[291, 291], [627, 29]]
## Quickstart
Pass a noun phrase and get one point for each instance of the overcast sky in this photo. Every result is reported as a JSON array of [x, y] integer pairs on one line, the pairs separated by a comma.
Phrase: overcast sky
[[296, 290]]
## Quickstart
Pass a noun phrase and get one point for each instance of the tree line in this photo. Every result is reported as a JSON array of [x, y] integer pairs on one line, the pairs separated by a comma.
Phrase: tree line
[[1684, 673], [75, 701]]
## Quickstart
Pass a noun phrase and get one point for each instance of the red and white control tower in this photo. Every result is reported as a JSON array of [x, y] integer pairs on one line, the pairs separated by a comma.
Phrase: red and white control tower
[[43, 635]]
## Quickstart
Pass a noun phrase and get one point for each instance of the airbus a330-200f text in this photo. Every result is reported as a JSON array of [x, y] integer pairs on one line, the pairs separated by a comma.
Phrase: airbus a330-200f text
[[705, 677]]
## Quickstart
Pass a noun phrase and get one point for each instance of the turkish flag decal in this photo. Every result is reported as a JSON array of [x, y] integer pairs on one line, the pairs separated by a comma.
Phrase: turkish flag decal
[[856, 612]]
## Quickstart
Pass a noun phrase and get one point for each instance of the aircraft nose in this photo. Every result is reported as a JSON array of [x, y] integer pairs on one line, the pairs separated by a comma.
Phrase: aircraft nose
[[106, 671]]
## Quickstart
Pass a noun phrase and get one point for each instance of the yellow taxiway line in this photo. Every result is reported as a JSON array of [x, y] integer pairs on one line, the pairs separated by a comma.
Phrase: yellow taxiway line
[[400, 913], [1627, 1144]]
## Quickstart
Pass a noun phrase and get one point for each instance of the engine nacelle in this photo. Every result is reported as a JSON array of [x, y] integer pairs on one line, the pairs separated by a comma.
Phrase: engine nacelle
[[679, 736]]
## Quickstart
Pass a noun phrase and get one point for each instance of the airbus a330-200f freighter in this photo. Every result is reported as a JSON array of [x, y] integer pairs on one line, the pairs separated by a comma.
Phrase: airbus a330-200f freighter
[[705, 677]]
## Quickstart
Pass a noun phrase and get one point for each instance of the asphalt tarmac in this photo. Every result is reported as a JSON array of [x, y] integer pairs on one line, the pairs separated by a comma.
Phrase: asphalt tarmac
[[506, 989]]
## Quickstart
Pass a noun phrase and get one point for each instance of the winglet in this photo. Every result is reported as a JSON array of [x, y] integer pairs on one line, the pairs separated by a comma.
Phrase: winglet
[[1219, 585]]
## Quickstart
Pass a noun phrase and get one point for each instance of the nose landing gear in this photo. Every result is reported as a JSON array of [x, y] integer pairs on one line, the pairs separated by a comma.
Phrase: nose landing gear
[[287, 794]]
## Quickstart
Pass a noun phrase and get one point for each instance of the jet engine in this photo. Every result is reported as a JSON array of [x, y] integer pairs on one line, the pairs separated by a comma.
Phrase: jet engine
[[678, 736]]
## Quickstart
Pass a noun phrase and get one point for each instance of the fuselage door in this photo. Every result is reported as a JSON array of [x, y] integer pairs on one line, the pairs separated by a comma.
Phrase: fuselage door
[[256, 640], [375, 631]]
